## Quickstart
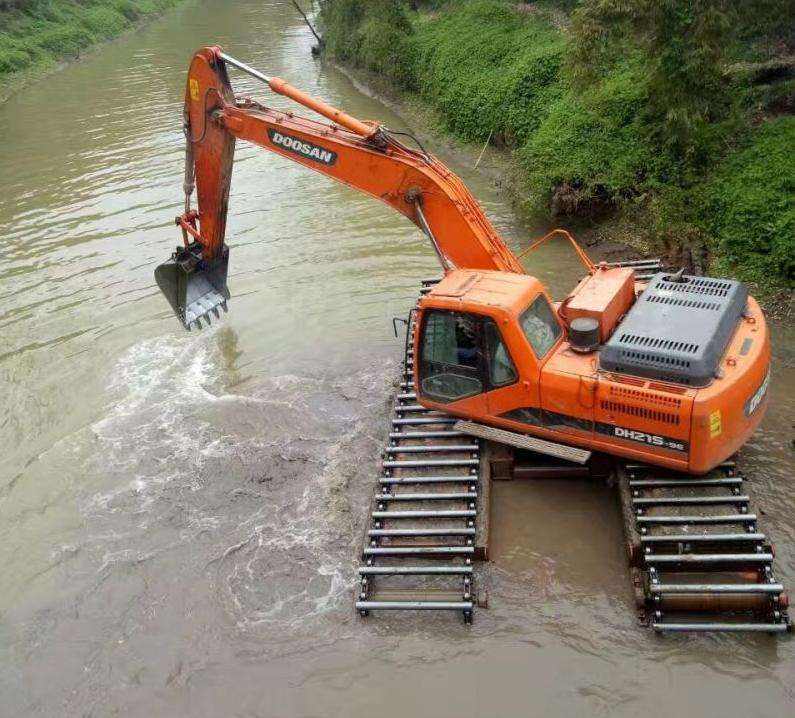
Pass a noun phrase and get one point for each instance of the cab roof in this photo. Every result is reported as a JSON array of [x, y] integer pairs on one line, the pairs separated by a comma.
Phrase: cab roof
[[487, 289]]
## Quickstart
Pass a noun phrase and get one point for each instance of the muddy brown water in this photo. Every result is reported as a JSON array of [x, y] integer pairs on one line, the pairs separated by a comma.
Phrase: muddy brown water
[[180, 515]]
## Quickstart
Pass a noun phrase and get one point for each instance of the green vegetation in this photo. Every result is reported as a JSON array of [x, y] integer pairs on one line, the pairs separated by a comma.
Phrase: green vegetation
[[671, 116], [497, 79], [36, 34], [375, 34], [748, 205]]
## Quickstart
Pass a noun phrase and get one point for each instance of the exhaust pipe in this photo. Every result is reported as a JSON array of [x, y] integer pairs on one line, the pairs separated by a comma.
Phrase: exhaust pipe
[[195, 289]]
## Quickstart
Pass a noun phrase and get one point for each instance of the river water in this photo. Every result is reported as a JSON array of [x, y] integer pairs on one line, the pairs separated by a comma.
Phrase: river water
[[180, 514]]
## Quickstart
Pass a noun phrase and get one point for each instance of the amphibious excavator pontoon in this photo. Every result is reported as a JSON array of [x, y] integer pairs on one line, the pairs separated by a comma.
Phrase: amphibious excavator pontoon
[[664, 370]]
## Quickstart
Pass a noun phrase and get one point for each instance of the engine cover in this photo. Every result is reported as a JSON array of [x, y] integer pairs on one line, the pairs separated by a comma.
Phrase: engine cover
[[677, 331]]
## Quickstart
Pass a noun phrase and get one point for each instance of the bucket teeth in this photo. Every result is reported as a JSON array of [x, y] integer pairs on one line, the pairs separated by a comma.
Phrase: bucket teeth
[[203, 309], [195, 288]]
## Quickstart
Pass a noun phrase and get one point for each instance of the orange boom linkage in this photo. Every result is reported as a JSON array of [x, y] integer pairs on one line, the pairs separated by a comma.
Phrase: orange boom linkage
[[672, 371]]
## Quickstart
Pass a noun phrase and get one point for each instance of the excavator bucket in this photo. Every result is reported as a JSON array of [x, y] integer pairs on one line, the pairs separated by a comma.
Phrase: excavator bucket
[[195, 289]]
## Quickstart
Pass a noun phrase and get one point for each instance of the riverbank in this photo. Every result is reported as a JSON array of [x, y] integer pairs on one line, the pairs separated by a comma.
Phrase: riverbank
[[39, 36], [493, 163], [715, 196]]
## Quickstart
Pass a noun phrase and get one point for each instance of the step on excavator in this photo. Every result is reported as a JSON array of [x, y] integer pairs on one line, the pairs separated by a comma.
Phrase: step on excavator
[[664, 372]]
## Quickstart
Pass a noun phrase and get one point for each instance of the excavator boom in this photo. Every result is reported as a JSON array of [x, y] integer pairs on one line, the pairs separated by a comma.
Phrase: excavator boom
[[365, 156]]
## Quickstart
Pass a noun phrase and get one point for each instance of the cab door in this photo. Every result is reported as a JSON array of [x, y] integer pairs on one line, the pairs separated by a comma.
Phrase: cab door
[[511, 374], [552, 391], [451, 367], [529, 339]]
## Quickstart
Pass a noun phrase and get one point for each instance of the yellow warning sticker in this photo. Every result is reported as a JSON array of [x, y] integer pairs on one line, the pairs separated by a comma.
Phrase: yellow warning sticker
[[194, 89], [715, 424]]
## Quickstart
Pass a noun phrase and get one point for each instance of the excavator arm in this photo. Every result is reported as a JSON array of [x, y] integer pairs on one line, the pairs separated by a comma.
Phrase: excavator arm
[[362, 155]]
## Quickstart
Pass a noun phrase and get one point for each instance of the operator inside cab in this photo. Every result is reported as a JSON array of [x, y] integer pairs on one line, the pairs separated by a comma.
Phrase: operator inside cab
[[463, 354]]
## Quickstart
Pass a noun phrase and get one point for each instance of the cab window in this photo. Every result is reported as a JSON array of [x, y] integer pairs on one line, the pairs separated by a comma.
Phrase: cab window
[[450, 356], [540, 326], [502, 371]]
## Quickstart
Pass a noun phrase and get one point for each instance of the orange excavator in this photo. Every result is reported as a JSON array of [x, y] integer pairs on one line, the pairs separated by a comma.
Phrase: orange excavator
[[665, 371], [671, 371]]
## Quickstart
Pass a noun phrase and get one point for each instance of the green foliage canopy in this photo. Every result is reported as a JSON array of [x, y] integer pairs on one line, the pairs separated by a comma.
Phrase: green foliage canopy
[[748, 206], [371, 34]]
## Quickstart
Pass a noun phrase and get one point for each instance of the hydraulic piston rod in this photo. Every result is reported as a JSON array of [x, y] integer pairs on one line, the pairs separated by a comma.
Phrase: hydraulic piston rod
[[281, 87]]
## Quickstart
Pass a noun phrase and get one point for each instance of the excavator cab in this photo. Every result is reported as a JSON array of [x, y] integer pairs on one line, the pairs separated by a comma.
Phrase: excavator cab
[[483, 338]]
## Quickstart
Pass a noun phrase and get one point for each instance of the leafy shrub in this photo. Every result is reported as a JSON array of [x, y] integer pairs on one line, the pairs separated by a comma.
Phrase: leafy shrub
[[128, 8], [11, 57], [63, 39], [749, 206], [594, 145], [371, 34], [489, 70], [104, 22]]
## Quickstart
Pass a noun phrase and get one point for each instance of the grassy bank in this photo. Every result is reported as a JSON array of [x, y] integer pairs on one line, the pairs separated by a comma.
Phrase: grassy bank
[[673, 118], [35, 35]]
